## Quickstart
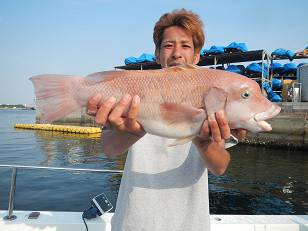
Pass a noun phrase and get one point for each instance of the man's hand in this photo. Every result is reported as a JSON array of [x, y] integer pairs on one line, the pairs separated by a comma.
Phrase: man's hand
[[121, 116], [218, 128]]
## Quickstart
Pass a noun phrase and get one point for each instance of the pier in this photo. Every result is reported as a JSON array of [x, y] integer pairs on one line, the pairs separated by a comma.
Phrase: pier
[[290, 127]]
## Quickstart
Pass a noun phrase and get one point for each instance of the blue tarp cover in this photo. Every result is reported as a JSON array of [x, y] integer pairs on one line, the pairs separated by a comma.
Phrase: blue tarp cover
[[202, 52], [275, 97], [276, 84], [239, 69], [257, 68], [238, 46], [271, 95], [267, 87], [276, 67], [289, 68], [142, 58], [214, 50], [282, 53]]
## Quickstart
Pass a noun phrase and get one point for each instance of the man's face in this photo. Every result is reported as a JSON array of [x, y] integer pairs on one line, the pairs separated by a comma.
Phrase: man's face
[[176, 48]]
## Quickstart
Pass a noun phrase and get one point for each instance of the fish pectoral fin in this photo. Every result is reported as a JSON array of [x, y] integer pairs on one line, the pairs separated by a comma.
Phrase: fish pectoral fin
[[214, 100], [175, 114], [182, 141]]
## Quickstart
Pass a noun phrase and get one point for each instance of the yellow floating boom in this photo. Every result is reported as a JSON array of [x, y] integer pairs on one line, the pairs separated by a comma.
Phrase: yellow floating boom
[[60, 128]]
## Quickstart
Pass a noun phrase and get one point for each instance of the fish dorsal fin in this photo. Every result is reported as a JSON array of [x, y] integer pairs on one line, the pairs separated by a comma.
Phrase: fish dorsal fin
[[105, 76], [191, 66], [181, 67]]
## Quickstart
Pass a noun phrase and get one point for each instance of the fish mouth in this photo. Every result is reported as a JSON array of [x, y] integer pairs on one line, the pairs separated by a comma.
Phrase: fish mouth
[[261, 117]]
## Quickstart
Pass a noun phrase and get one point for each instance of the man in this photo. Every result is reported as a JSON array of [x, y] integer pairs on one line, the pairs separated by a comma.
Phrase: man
[[164, 188]]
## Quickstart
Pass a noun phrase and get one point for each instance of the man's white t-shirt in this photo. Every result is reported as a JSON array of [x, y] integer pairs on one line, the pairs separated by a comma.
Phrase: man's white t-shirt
[[162, 188]]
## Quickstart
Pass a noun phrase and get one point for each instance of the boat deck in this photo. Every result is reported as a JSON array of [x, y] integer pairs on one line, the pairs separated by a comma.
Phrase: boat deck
[[63, 221]]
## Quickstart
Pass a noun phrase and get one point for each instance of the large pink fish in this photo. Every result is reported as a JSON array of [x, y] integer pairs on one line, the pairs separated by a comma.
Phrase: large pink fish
[[174, 101]]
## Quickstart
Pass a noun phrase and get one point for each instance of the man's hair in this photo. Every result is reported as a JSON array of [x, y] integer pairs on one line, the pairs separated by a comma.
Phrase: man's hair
[[182, 18]]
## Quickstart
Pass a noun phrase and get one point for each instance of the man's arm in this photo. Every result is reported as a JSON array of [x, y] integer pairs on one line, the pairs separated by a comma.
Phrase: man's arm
[[125, 130], [215, 156], [116, 142]]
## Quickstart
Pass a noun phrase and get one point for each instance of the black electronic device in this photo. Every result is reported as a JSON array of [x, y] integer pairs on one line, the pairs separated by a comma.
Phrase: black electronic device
[[99, 205], [102, 203]]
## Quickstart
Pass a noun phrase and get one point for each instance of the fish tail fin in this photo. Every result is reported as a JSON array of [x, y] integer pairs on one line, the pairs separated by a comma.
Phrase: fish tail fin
[[54, 96]]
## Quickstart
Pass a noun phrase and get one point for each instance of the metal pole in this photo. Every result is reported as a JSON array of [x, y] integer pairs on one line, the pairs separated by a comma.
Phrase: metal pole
[[60, 168], [10, 216], [215, 61], [269, 69], [262, 69]]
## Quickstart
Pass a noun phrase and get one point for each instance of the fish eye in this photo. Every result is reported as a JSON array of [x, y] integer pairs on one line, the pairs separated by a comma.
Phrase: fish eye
[[245, 94]]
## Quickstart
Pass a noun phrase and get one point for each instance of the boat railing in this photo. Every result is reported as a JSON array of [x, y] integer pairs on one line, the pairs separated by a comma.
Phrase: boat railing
[[14, 168]]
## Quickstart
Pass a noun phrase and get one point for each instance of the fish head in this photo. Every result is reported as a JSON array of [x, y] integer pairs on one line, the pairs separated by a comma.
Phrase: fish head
[[247, 107]]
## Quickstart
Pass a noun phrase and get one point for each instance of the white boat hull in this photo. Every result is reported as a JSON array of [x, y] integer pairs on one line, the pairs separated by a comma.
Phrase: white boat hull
[[63, 221]]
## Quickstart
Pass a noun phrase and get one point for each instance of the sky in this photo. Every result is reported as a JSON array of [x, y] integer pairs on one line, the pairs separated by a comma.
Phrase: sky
[[85, 36]]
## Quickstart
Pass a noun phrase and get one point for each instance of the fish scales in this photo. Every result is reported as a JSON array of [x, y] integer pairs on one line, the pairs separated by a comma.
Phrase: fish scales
[[174, 102]]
